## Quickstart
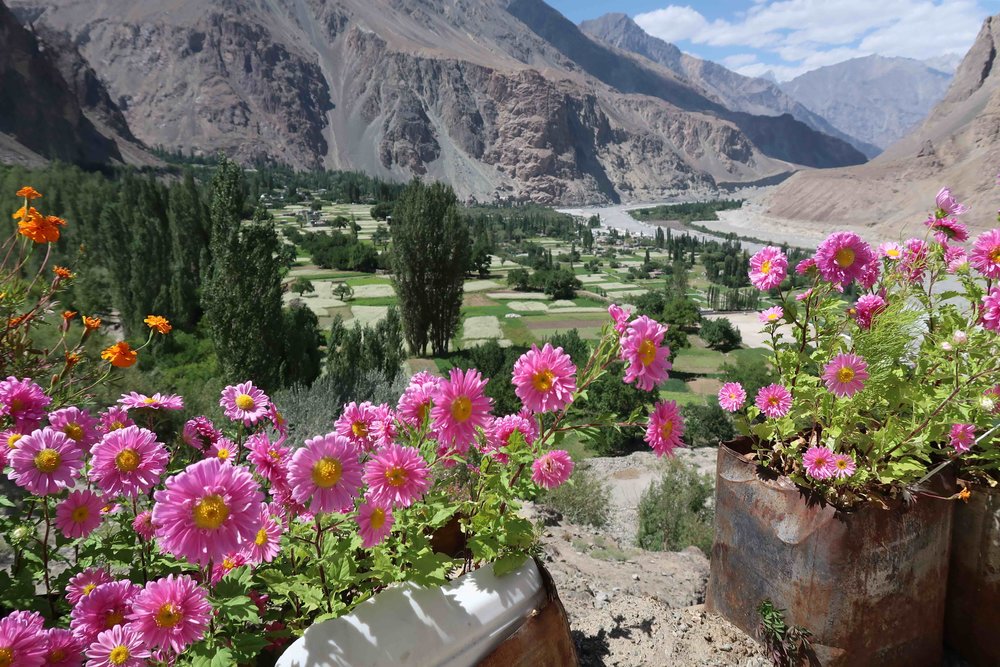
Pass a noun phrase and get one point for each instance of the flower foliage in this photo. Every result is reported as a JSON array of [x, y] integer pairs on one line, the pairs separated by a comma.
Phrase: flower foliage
[[878, 392]]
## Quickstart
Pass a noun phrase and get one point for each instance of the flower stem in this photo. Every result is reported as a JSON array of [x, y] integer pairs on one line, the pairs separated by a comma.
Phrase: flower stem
[[45, 558]]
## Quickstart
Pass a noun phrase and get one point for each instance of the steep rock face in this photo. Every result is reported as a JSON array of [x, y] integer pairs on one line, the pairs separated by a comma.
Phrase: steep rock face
[[734, 91], [39, 114], [481, 93], [958, 145], [875, 98]]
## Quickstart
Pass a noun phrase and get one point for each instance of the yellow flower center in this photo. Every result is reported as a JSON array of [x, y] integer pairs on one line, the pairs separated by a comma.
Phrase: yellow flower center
[[773, 401], [821, 462], [168, 615], [377, 519], [461, 408], [995, 255], [841, 464], [149, 400], [6, 657], [224, 453], [765, 268], [245, 402], [47, 460], [395, 476], [326, 472], [12, 440], [73, 431], [127, 460], [16, 405], [667, 429], [274, 454], [844, 257], [81, 514], [88, 589], [647, 352], [543, 380], [422, 411], [261, 538], [113, 618], [892, 252], [228, 563], [119, 655], [57, 655], [845, 374], [210, 512], [772, 316], [116, 425], [359, 429]]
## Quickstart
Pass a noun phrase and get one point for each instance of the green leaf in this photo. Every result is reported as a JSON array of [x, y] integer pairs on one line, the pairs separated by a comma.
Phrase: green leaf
[[507, 564]]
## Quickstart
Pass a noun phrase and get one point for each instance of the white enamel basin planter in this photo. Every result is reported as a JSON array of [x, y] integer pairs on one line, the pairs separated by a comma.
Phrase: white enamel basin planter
[[455, 625]]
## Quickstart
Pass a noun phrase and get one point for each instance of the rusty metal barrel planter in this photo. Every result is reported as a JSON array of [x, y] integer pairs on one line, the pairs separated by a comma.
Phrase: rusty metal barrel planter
[[972, 616], [869, 585]]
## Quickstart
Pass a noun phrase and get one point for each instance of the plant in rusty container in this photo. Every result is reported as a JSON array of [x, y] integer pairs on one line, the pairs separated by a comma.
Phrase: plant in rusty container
[[886, 385]]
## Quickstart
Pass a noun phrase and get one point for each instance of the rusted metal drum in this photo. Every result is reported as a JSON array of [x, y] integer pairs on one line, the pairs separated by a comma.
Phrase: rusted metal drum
[[869, 585], [972, 616]]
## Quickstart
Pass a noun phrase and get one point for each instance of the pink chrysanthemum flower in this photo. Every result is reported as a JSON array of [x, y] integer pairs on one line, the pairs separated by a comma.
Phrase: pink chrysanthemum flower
[[843, 465], [24, 402], [985, 255], [871, 274], [955, 259], [805, 266], [499, 431], [460, 406], [135, 401], [774, 401], [545, 379], [396, 476], [805, 295], [245, 403], [209, 510], [415, 404], [115, 418], [325, 473], [83, 584], [121, 646], [647, 357], [78, 425], [172, 612], [914, 263], [963, 436], [128, 462], [732, 396], [768, 267], [278, 420], [200, 433], [552, 469], [374, 524], [356, 424], [867, 307], [991, 400], [225, 450], [228, 563], [620, 316], [29, 619], [819, 463], [62, 649], [267, 542], [45, 462], [268, 458], [845, 375], [843, 258], [21, 644], [665, 428], [385, 426], [79, 514], [947, 229], [107, 606], [990, 310], [947, 204], [8, 443], [771, 315], [890, 250], [142, 524]]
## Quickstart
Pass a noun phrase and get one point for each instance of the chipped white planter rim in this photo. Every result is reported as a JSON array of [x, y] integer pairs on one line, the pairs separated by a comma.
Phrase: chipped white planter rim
[[455, 625]]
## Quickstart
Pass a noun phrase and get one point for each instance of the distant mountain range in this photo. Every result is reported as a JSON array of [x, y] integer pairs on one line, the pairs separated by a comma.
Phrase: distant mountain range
[[501, 98], [958, 145]]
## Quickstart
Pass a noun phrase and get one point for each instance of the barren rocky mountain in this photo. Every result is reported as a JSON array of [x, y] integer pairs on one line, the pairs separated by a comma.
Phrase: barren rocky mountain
[[957, 145], [876, 99], [734, 91], [498, 97]]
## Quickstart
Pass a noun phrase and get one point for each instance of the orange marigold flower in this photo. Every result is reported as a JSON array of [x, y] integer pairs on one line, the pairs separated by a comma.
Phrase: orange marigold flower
[[62, 272], [30, 212], [72, 358], [159, 323], [40, 229], [121, 355], [91, 323], [69, 314], [28, 192]]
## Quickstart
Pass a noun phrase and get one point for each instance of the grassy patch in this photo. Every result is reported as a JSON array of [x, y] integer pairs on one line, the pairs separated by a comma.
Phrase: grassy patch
[[698, 361]]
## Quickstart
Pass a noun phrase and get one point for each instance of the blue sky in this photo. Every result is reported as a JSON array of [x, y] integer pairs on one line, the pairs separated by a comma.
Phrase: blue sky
[[789, 37]]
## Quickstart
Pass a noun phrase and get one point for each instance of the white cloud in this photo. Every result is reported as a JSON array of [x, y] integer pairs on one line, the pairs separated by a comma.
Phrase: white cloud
[[800, 35]]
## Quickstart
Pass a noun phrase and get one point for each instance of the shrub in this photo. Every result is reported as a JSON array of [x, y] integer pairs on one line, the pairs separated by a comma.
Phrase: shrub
[[706, 425], [584, 500], [673, 514], [721, 334]]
